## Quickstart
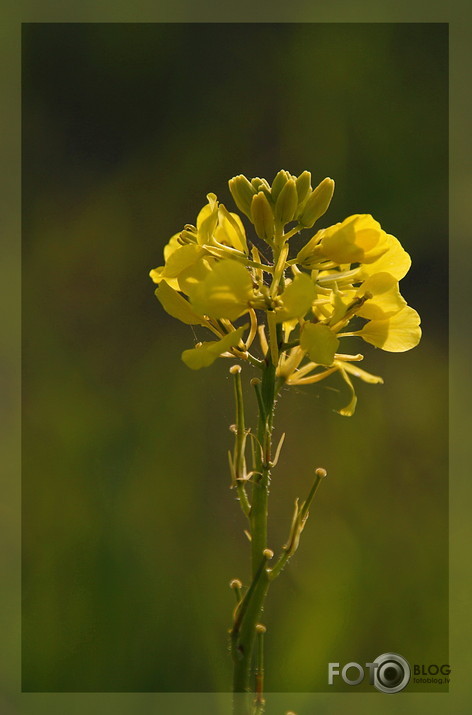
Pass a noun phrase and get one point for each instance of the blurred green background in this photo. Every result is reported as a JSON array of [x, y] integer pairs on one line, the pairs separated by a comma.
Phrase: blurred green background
[[130, 533]]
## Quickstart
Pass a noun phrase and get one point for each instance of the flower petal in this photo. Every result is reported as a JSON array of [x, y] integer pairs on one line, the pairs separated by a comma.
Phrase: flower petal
[[172, 246], [296, 298], [181, 259], [386, 299], [190, 277], [396, 334], [319, 342], [207, 220], [357, 239], [174, 304], [206, 353], [225, 292], [395, 260], [230, 230], [310, 251]]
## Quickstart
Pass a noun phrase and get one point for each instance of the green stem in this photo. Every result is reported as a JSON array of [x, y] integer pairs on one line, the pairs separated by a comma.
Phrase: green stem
[[260, 701], [244, 632], [260, 492]]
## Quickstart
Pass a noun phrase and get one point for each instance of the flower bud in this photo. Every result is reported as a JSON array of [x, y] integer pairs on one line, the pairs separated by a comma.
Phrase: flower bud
[[303, 184], [242, 192], [287, 202], [317, 203], [278, 183], [262, 216], [260, 184]]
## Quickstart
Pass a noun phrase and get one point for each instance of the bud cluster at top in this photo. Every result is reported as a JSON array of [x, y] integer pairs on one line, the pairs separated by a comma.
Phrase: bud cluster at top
[[289, 198], [296, 306]]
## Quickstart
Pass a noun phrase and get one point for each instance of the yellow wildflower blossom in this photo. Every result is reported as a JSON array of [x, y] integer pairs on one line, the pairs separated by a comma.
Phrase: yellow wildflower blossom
[[205, 354], [226, 291], [174, 304], [297, 298], [299, 308], [358, 239], [384, 299], [320, 343], [396, 334], [395, 260], [157, 273], [216, 225]]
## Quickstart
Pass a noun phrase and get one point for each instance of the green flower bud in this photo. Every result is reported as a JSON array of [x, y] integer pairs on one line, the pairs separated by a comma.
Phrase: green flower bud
[[262, 216], [317, 203], [303, 184], [287, 203], [278, 183], [242, 192], [260, 184]]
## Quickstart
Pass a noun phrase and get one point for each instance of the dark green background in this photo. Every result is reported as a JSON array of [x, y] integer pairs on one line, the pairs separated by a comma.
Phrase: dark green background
[[130, 533]]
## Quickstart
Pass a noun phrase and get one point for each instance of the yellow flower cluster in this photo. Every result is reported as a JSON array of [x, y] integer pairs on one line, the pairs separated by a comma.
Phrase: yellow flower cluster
[[300, 305]]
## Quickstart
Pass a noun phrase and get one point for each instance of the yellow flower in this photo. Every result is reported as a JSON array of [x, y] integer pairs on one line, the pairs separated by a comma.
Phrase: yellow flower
[[157, 273], [182, 259], [354, 269], [319, 342], [225, 292], [396, 334], [358, 239], [296, 299], [385, 299], [174, 304], [216, 225], [206, 353], [395, 260], [188, 255]]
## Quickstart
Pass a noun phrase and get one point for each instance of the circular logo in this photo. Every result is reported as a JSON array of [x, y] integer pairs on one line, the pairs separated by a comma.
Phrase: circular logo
[[392, 673]]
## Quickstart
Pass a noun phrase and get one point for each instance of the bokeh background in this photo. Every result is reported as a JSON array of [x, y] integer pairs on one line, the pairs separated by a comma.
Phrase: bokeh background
[[130, 533]]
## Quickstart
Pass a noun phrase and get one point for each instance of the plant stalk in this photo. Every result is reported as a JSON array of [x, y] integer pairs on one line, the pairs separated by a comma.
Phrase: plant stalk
[[248, 614]]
